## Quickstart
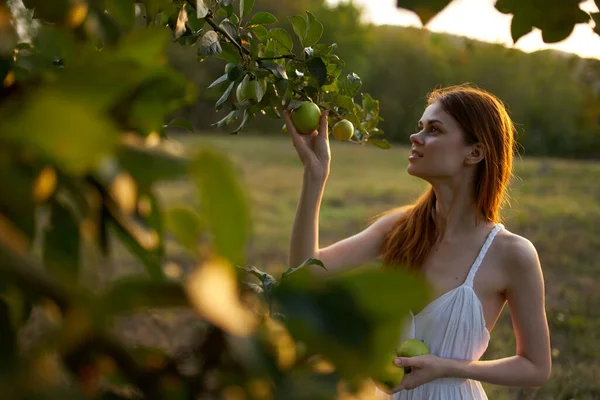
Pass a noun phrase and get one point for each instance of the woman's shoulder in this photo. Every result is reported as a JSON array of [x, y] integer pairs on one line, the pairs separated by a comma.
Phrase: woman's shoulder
[[517, 252]]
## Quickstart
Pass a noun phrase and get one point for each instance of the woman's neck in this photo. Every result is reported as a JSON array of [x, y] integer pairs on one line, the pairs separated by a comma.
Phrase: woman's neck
[[455, 210]]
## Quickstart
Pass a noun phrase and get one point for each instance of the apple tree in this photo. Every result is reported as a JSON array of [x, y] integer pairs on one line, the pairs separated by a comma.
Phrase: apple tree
[[85, 108]]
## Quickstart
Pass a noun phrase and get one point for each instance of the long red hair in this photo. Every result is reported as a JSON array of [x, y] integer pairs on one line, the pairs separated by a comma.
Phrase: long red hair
[[483, 119]]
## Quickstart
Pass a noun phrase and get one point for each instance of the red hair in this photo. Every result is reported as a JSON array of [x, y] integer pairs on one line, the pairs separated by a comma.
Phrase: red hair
[[483, 119]]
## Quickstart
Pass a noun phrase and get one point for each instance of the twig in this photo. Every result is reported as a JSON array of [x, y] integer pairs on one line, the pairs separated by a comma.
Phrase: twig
[[288, 56], [31, 278], [243, 51]]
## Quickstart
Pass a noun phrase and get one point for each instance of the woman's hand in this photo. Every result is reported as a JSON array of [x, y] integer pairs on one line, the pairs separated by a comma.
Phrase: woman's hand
[[313, 149], [423, 369]]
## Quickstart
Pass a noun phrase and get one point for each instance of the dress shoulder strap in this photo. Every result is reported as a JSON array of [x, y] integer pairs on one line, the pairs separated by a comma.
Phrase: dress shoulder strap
[[482, 252]]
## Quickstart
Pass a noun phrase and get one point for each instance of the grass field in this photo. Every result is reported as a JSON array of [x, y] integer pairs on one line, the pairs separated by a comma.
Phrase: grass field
[[554, 203]]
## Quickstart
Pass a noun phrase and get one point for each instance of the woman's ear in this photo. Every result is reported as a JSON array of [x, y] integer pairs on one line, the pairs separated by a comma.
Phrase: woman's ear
[[476, 154]]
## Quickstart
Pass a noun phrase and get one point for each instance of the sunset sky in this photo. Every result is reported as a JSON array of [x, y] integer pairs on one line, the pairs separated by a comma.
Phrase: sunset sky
[[479, 19]]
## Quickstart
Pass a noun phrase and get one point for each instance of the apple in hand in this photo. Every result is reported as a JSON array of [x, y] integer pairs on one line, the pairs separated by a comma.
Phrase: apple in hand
[[306, 117], [412, 348]]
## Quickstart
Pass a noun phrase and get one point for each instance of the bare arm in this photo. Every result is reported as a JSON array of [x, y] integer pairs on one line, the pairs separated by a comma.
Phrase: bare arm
[[346, 254], [531, 366], [313, 150]]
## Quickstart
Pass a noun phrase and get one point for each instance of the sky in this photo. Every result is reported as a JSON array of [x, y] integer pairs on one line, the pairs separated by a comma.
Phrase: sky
[[479, 19]]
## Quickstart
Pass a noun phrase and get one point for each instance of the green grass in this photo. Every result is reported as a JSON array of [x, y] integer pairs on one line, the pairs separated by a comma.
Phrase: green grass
[[554, 203]]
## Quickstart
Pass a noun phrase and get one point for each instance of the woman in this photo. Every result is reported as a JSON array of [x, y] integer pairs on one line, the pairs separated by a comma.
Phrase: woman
[[453, 236]]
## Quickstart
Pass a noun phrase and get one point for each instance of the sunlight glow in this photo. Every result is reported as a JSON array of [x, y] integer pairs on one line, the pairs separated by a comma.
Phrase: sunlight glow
[[478, 19]]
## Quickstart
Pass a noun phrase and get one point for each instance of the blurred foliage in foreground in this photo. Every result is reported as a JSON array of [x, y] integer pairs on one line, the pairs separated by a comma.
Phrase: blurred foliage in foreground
[[83, 143]]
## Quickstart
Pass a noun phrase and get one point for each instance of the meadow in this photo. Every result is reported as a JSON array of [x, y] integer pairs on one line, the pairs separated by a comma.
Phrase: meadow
[[553, 202]]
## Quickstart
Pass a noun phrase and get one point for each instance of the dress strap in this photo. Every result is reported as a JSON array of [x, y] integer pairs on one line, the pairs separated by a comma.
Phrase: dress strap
[[482, 252]]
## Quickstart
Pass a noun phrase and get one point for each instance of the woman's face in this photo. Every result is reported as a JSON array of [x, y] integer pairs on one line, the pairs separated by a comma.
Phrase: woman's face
[[439, 149]]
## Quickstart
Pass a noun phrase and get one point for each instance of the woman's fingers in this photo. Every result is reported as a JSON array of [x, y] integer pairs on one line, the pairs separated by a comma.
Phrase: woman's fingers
[[323, 125]]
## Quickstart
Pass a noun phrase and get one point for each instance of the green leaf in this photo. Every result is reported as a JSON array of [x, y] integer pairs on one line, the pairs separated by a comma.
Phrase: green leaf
[[128, 295], [268, 282], [596, 18], [60, 137], [202, 8], [158, 98], [209, 44], [314, 32], [141, 242], [382, 143], [261, 33], [231, 29], [519, 27], [225, 11], [322, 49], [193, 21], [307, 262], [346, 102], [245, 116], [370, 106], [181, 23], [282, 39], [556, 22], [17, 202], [318, 70], [246, 7], [186, 225], [145, 46], [229, 53], [148, 165], [557, 34], [223, 78], [277, 69], [225, 95], [300, 26], [62, 243], [180, 123], [227, 120], [262, 17], [353, 319], [223, 202], [351, 84], [122, 11], [425, 9], [236, 73]]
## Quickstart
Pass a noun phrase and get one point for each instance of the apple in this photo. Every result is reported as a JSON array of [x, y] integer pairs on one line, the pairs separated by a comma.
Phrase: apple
[[412, 348], [249, 89], [343, 130], [390, 377], [306, 117]]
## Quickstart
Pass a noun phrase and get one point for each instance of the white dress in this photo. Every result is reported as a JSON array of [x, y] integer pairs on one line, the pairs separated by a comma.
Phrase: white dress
[[452, 326]]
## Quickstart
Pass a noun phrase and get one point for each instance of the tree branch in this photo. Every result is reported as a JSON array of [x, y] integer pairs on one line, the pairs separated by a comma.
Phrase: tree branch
[[223, 32], [288, 56], [31, 278]]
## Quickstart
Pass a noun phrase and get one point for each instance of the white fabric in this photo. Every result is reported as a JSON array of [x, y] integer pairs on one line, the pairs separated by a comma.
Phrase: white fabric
[[452, 326]]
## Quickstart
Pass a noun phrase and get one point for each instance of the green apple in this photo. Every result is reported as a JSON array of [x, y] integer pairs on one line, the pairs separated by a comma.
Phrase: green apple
[[343, 130], [306, 117], [412, 348], [390, 377], [251, 89]]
